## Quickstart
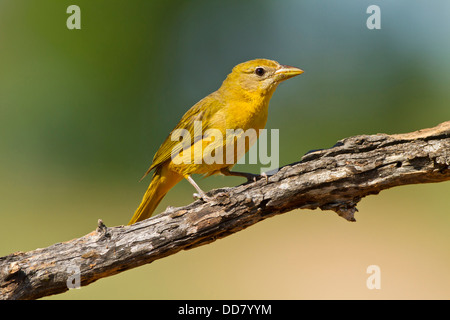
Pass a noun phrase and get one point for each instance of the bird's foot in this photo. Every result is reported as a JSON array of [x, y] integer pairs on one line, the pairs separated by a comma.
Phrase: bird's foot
[[255, 177], [202, 196]]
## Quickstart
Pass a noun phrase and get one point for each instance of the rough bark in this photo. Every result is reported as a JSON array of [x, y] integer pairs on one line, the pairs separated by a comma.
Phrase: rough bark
[[331, 179]]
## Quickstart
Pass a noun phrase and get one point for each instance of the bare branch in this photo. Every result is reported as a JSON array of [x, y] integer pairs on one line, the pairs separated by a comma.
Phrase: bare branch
[[332, 179]]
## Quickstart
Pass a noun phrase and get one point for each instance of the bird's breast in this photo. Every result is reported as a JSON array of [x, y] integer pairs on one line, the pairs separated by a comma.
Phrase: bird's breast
[[246, 115]]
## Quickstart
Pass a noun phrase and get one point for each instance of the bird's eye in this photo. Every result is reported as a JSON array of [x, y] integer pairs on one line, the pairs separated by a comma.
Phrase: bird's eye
[[260, 71]]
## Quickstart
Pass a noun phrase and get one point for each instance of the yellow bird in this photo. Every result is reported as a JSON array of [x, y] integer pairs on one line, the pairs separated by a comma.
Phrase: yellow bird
[[240, 104]]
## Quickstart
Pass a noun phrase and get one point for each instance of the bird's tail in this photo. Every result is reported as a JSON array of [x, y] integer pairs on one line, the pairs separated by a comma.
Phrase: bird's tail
[[162, 181]]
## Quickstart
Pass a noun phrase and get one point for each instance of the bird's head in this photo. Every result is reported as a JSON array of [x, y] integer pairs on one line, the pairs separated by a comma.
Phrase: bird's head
[[259, 76]]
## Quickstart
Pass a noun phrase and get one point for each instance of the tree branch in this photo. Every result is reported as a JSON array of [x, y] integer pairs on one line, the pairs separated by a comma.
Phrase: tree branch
[[331, 179]]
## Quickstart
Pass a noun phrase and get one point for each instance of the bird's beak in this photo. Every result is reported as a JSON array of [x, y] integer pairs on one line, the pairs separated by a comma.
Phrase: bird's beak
[[286, 72]]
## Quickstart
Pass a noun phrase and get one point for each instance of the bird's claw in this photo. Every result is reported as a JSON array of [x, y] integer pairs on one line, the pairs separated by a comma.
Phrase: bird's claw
[[255, 177], [202, 196], [265, 176]]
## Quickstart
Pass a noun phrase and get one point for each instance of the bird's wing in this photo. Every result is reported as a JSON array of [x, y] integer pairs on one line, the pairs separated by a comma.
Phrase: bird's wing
[[203, 111]]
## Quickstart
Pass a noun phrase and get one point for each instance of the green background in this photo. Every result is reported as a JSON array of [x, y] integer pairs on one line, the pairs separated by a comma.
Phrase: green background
[[83, 111]]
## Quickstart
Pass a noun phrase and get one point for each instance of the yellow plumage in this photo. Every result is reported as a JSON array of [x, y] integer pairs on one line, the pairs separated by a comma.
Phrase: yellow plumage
[[240, 103]]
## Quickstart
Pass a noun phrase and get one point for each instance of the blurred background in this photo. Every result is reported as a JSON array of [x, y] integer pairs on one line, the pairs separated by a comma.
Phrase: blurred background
[[82, 113]]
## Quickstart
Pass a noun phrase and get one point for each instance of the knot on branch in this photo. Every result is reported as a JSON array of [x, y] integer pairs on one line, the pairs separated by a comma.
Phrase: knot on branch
[[345, 209]]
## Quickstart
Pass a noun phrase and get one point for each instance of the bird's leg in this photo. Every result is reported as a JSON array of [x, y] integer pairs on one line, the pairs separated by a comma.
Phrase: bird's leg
[[201, 194], [250, 176]]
